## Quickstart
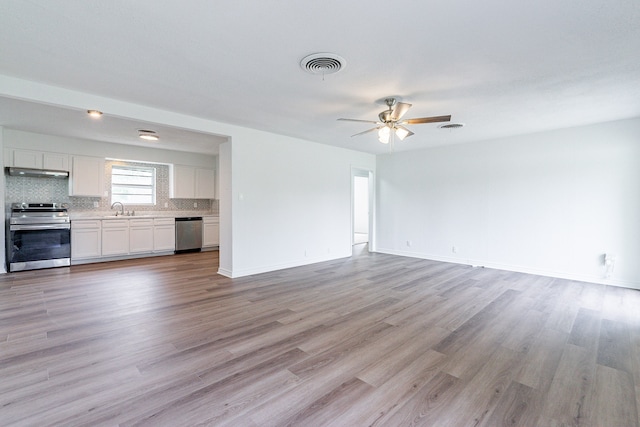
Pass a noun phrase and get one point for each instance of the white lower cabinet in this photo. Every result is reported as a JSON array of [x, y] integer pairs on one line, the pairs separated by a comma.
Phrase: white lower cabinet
[[86, 239], [115, 237], [93, 240], [164, 234], [141, 235], [210, 232]]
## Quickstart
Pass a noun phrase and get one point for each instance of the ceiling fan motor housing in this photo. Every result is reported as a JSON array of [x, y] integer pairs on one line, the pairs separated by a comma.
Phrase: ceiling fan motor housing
[[385, 116]]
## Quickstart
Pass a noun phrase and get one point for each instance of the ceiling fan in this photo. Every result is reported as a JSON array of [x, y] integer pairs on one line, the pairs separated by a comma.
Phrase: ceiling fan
[[391, 123]]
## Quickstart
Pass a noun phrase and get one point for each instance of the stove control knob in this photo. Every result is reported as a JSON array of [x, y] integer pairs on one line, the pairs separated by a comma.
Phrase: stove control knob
[[24, 206]]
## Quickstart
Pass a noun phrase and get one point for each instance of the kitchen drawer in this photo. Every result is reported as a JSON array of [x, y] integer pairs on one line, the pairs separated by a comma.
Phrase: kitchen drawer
[[115, 223], [84, 224], [164, 221], [211, 219], [141, 222]]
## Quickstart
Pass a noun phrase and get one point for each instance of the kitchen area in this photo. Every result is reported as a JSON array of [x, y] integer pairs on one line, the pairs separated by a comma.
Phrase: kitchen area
[[66, 205]]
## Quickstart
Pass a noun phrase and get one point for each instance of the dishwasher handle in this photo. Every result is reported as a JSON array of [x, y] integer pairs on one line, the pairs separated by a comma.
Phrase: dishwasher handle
[[189, 218]]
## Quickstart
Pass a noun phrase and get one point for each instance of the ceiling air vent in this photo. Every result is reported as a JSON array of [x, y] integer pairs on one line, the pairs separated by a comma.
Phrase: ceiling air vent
[[451, 126], [322, 63]]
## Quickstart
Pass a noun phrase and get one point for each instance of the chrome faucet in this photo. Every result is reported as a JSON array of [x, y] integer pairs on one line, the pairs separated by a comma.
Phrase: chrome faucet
[[121, 207]]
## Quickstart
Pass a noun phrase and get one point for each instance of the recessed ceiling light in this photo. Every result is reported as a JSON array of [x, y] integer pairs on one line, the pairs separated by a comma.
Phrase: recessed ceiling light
[[148, 135], [94, 113]]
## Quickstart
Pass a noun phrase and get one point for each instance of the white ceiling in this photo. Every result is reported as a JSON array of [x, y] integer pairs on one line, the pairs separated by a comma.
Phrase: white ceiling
[[501, 68], [54, 120]]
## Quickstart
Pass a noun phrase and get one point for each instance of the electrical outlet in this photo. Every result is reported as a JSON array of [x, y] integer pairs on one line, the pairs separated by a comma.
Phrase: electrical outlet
[[454, 249], [166, 205], [409, 243], [195, 204], [96, 204]]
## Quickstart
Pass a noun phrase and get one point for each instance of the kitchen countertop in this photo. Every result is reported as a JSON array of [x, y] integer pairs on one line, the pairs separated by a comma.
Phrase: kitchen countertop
[[142, 214]]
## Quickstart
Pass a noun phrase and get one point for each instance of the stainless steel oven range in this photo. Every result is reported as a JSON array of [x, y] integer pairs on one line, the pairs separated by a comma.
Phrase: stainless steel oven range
[[38, 236]]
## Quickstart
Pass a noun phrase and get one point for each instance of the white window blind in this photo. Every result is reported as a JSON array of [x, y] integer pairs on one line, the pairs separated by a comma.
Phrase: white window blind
[[133, 185]]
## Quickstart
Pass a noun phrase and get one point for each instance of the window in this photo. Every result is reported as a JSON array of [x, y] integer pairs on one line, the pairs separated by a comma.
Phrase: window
[[133, 185]]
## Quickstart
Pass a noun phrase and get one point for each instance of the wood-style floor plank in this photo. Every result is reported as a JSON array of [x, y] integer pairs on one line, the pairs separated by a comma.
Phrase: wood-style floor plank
[[369, 340]]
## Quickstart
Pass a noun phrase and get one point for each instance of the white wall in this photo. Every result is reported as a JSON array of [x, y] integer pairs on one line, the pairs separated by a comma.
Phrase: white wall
[[3, 247], [291, 201], [551, 203], [224, 192]]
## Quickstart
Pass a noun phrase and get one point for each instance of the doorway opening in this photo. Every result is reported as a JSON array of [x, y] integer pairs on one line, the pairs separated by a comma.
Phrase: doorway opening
[[362, 192]]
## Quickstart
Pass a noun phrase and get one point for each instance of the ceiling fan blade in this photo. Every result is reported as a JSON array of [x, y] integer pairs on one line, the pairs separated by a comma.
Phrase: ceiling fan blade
[[358, 120], [366, 131], [421, 120], [398, 110]]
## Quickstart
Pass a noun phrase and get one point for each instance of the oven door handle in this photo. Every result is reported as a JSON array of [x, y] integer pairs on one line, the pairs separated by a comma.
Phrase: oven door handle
[[36, 227]]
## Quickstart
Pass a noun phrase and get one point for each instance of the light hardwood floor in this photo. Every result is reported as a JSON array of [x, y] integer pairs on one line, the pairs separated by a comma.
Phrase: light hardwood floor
[[372, 340]]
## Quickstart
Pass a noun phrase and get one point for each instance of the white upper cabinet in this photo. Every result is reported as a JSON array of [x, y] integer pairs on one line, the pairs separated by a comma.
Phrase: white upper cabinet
[[55, 161], [188, 182], [26, 159], [86, 177], [183, 182], [205, 184], [38, 160]]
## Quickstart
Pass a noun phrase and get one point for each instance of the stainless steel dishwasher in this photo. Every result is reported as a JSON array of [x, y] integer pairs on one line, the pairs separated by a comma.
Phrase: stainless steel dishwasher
[[189, 234]]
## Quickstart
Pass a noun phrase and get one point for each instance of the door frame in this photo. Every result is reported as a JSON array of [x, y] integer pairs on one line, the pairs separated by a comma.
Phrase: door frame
[[368, 173]]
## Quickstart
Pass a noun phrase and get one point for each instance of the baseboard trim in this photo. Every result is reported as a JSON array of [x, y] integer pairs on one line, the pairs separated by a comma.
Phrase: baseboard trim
[[233, 274], [226, 273], [515, 268]]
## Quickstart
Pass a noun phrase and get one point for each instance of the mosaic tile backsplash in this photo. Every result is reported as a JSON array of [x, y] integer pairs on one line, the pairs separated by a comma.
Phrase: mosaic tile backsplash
[[49, 190]]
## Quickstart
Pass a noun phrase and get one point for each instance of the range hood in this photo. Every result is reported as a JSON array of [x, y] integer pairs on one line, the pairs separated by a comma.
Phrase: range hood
[[37, 173]]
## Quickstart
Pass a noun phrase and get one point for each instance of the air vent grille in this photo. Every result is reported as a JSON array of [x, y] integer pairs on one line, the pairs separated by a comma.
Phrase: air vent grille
[[322, 63], [451, 126]]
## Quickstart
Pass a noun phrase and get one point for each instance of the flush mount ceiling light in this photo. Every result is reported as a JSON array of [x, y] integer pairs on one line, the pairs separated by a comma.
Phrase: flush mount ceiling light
[[148, 135], [322, 63], [94, 113]]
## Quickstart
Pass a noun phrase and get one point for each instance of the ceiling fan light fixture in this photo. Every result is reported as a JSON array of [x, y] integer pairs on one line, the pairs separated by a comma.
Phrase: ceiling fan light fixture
[[390, 120], [383, 134], [401, 133]]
